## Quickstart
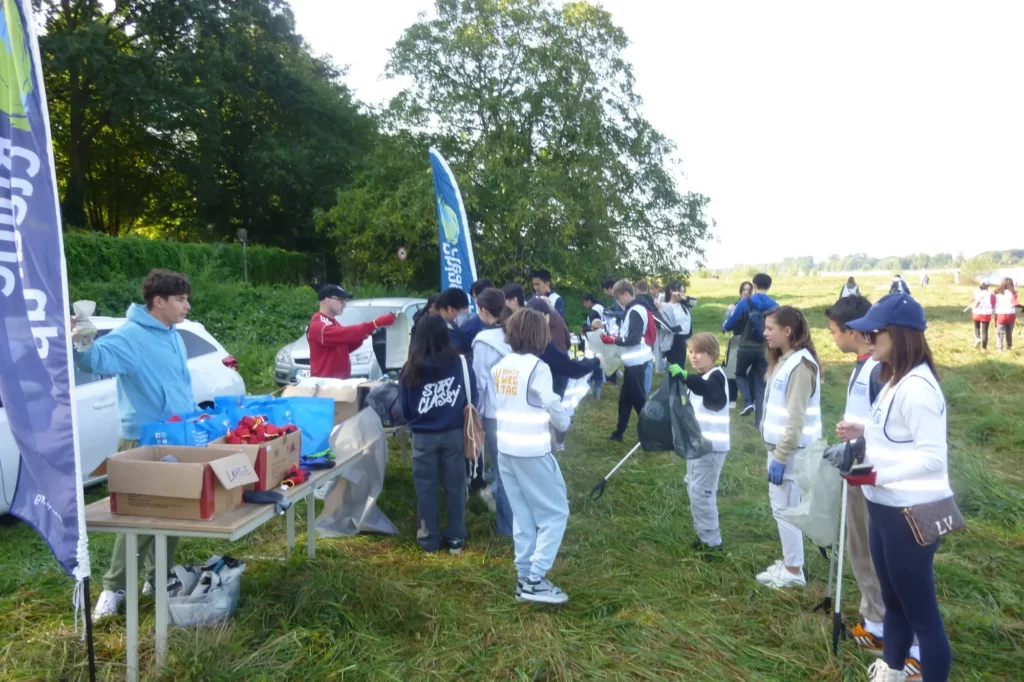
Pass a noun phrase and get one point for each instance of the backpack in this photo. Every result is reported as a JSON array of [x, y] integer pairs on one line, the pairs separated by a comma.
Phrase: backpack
[[651, 335], [755, 324]]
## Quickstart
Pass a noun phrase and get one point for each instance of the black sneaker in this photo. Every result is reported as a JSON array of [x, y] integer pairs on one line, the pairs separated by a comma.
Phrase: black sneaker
[[747, 410], [702, 547], [455, 545], [617, 437]]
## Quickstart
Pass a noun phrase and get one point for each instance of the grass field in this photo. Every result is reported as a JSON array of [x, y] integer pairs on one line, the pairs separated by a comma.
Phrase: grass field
[[641, 606]]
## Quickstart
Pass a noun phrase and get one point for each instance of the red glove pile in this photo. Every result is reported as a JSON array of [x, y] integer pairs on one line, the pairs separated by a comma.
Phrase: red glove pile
[[608, 339], [295, 477], [256, 430]]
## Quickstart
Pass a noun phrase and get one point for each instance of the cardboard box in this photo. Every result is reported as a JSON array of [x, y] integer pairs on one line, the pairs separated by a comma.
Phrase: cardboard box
[[202, 484], [349, 395], [271, 460]]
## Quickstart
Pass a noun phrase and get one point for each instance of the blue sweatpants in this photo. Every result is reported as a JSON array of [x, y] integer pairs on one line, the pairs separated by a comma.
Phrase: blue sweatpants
[[904, 570], [540, 510]]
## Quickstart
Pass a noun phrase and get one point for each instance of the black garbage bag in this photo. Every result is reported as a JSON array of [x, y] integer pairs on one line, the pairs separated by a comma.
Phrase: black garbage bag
[[667, 423], [383, 400]]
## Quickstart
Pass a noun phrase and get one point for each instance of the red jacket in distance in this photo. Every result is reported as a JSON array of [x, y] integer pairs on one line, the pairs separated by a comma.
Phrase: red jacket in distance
[[330, 344]]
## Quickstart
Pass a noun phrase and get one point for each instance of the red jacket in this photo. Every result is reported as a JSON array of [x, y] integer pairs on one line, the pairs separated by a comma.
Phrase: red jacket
[[330, 343]]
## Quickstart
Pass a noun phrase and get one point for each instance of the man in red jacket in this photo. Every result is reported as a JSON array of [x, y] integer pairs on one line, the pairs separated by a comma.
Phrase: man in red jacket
[[329, 342]]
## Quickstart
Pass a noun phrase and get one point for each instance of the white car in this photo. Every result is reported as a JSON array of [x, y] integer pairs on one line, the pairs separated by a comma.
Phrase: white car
[[214, 373], [293, 360]]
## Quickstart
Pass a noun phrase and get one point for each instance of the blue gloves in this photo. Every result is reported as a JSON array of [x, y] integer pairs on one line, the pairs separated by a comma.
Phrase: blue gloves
[[775, 472]]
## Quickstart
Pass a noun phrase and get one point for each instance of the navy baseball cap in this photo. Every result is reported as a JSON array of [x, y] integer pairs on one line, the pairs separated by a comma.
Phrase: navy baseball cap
[[894, 310], [334, 291]]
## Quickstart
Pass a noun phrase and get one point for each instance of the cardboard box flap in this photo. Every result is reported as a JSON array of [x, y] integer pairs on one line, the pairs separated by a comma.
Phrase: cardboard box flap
[[341, 390], [159, 479], [234, 470]]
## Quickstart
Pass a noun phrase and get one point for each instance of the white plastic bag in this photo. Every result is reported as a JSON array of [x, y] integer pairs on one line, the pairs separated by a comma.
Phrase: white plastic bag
[[817, 515]]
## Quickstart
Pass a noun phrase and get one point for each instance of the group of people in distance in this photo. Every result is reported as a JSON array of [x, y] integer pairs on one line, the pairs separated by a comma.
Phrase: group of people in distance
[[1001, 304]]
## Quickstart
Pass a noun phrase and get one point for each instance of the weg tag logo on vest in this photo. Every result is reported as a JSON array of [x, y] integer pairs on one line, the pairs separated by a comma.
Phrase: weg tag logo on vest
[[15, 67]]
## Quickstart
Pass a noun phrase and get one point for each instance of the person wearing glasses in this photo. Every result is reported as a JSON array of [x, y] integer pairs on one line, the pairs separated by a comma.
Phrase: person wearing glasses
[[906, 460], [330, 342]]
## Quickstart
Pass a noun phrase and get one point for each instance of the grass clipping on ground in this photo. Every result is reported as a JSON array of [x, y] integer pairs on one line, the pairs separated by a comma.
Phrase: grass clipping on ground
[[642, 605]]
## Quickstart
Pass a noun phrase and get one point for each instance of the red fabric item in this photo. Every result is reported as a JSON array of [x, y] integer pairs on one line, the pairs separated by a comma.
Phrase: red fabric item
[[385, 320], [174, 420], [651, 335], [256, 430], [608, 339], [863, 479], [330, 344]]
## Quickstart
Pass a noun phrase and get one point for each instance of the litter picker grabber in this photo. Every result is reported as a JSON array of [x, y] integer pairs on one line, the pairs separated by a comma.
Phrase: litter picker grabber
[[598, 490], [837, 618]]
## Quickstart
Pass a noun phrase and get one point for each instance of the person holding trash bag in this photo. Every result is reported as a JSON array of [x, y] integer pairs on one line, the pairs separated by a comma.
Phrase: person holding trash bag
[[709, 395], [527, 406], [792, 420], [330, 342], [433, 391], [907, 488], [636, 355], [147, 355]]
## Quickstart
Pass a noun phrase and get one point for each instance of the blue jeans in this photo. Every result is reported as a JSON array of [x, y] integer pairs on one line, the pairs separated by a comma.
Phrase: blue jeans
[[904, 570], [493, 475], [596, 380], [648, 377], [438, 458], [743, 388], [752, 365]]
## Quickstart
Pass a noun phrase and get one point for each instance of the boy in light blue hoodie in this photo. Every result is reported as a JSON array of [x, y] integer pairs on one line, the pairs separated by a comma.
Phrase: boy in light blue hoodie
[[148, 357]]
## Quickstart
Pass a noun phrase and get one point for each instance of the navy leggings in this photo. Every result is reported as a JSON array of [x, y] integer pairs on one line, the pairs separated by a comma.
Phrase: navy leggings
[[904, 570]]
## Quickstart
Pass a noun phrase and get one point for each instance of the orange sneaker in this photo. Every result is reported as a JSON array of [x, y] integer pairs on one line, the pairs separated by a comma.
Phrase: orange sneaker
[[867, 641], [912, 667]]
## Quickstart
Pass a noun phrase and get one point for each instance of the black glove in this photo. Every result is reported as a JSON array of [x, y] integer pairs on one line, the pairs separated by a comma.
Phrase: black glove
[[267, 497]]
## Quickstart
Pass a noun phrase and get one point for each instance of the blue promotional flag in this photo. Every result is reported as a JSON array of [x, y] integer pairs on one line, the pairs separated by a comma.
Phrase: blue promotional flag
[[35, 385], [458, 267]]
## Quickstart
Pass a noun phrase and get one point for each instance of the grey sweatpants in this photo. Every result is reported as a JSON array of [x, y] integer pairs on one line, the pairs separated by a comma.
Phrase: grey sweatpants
[[438, 458], [702, 476]]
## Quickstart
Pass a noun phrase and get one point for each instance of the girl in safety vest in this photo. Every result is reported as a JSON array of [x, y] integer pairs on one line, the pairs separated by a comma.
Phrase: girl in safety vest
[[434, 388], [1006, 313], [905, 439], [982, 304], [709, 395], [526, 407], [636, 355], [792, 420]]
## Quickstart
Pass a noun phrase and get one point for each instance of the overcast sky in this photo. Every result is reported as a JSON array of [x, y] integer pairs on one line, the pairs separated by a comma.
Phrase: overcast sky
[[816, 128]]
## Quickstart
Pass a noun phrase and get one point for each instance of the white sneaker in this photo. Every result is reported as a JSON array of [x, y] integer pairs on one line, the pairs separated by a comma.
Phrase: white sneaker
[[542, 591], [107, 605], [779, 578], [147, 588], [879, 671]]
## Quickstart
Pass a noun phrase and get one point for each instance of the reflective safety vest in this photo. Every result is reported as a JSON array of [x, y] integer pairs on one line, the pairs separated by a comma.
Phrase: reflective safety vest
[[553, 298], [640, 353], [522, 427], [858, 394], [982, 302], [1004, 303], [773, 425], [714, 424], [889, 442]]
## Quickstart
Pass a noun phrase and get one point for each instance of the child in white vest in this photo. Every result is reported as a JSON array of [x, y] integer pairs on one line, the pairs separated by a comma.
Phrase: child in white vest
[[526, 406], [792, 420], [709, 395]]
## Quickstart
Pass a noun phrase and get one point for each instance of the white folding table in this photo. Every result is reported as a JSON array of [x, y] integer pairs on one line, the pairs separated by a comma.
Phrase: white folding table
[[231, 526]]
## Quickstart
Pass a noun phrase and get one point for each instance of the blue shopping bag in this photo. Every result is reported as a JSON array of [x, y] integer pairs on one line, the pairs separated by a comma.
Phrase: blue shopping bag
[[195, 430], [315, 419], [278, 411]]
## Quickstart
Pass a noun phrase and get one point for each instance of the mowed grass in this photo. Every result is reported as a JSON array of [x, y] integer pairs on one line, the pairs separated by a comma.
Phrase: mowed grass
[[642, 605]]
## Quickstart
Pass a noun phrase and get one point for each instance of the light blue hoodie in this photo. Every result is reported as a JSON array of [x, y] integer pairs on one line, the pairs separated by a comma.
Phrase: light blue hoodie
[[151, 366]]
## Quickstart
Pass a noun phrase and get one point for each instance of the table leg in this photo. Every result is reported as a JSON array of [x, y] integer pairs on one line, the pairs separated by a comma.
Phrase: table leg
[[311, 525], [131, 588], [161, 600], [290, 528]]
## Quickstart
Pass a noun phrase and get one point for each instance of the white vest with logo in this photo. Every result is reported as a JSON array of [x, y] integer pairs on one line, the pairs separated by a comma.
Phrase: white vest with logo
[[714, 424], [522, 427], [1004, 303], [773, 425], [553, 298], [889, 440], [858, 394], [599, 309], [982, 302], [640, 353]]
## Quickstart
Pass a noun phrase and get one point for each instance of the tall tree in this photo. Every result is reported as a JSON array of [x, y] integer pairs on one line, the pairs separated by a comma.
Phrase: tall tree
[[536, 110]]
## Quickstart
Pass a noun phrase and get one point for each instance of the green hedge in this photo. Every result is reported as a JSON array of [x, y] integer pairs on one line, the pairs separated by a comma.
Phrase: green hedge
[[94, 257]]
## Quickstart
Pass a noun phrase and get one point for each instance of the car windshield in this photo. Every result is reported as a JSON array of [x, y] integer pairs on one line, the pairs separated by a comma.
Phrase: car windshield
[[362, 313]]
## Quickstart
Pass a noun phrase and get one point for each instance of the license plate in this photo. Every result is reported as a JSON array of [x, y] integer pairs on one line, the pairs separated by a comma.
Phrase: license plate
[[302, 374]]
